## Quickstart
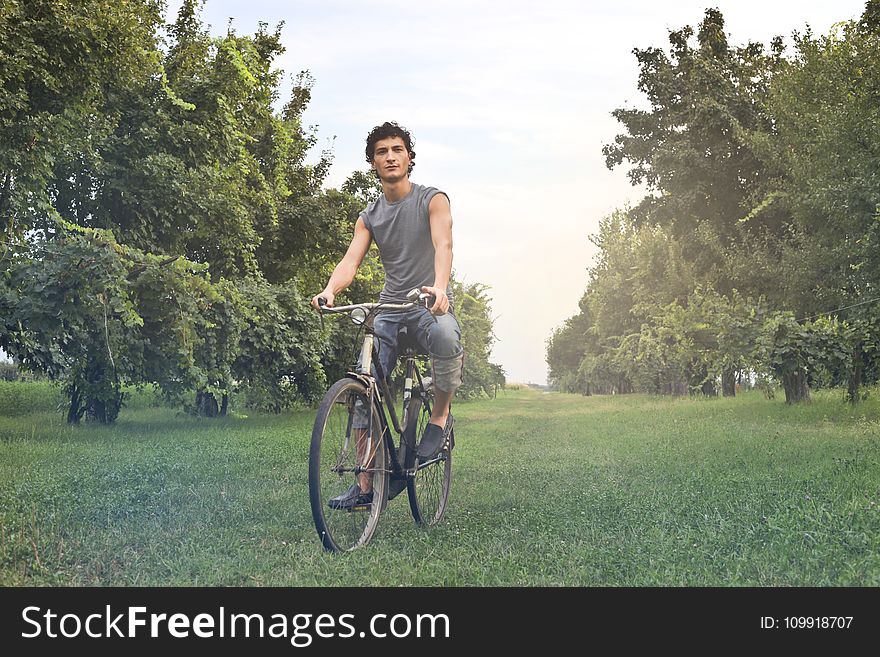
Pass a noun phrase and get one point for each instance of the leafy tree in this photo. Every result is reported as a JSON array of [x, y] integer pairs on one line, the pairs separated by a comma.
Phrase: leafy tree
[[184, 344], [279, 358], [731, 326], [474, 313], [193, 160], [57, 61], [763, 207], [96, 315], [797, 350], [71, 318], [825, 156], [566, 348], [639, 271], [692, 148], [698, 146]]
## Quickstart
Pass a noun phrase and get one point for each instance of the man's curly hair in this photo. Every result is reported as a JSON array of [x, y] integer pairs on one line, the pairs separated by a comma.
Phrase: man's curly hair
[[386, 130]]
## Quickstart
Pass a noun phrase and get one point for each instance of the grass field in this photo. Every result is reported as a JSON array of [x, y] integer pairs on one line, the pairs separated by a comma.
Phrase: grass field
[[548, 489]]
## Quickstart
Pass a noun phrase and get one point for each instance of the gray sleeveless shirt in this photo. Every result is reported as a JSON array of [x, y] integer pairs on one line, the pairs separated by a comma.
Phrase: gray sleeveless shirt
[[403, 234]]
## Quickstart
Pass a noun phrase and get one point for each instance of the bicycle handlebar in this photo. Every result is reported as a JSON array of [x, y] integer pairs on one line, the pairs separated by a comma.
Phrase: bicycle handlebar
[[367, 306], [416, 297]]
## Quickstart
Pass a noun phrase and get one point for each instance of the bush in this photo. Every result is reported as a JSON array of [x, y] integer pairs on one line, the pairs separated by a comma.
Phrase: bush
[[146, 396], [8, 371], [27, 397], [272, 398]]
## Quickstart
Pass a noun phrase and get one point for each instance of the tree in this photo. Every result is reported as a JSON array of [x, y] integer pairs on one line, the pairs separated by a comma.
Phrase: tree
[[96, 315], [57, 61], [566, 349], [763, 208], [279, 359], [826, 157], [697, 147], [474, 313], [693, 148], [640, 269]]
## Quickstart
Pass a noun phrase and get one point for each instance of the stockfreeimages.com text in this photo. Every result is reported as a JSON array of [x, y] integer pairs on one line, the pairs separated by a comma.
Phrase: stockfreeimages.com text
[[300, 629]]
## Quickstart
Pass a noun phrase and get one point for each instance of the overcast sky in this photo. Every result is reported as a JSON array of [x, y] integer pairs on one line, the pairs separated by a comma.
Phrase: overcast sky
[[509, 103]]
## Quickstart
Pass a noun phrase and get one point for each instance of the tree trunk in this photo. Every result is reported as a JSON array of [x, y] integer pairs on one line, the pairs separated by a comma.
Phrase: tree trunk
[[796, 389], [699, 375], [74, 411], [105, 412], [98, 410], [206, 405], [4, 197], [855, 374], [728, 382], [224, 406], [678, 386], [708, 388]]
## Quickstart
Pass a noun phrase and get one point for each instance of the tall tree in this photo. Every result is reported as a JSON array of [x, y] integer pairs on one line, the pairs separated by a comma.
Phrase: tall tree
[[696, 146], [474, 311], [57, 61], [693, 147]]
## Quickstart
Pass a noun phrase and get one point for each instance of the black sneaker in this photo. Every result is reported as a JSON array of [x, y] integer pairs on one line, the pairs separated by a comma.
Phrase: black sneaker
[[433, 439], [351, 498]]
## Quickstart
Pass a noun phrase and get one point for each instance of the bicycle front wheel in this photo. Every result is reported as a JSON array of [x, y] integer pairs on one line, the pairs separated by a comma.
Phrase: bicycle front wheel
[[428, 486], [347, 452]]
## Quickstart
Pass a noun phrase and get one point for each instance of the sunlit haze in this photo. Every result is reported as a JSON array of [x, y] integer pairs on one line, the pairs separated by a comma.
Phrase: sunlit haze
[[509, 103]]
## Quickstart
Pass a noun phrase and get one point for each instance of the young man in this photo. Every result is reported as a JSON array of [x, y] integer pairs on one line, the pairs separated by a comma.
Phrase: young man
[[412, 226]]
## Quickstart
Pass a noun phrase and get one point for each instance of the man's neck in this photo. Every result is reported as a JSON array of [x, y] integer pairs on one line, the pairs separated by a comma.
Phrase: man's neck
[[394, 191]]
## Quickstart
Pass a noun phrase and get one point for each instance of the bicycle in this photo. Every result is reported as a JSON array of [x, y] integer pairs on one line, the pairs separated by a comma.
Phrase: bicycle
[[352, 438]]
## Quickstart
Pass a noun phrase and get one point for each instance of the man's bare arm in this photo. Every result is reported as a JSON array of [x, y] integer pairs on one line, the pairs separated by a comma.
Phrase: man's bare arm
[[345, 271], [440, 219]]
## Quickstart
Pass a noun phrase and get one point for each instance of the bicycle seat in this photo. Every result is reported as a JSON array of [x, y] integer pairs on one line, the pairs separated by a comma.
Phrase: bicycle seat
[[408, 345]]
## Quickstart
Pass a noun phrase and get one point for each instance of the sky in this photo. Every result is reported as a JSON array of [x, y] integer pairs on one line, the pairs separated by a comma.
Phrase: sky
[[510, 104]]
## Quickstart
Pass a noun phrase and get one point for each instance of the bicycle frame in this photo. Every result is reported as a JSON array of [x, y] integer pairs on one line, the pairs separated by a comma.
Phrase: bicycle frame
[[377, 385], [380, 397]]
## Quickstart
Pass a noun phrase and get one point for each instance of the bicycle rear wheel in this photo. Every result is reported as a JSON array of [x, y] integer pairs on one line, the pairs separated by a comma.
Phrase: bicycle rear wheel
[[344, 447], [428, 487]]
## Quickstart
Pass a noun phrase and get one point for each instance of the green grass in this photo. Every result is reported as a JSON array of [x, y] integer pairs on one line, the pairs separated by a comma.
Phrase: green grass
[[548, 489]]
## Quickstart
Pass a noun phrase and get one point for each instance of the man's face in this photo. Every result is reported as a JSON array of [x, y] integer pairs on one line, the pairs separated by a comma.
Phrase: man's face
[[391, 159]]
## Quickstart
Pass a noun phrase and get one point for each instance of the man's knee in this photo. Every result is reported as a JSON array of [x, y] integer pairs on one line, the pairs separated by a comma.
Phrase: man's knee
[[447, 371], [445, 338]]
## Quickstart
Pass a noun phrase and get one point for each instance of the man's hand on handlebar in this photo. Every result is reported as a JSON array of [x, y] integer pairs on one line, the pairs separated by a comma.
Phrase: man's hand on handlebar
[[441, 301], [326, 297], [432, 298]]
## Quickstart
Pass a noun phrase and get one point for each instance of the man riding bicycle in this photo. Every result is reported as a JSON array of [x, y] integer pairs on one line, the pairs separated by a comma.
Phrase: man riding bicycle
[[412, 226]]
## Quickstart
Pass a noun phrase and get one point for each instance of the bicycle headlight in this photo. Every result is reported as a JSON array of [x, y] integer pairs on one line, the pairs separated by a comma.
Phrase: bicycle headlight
[[358, 315]]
